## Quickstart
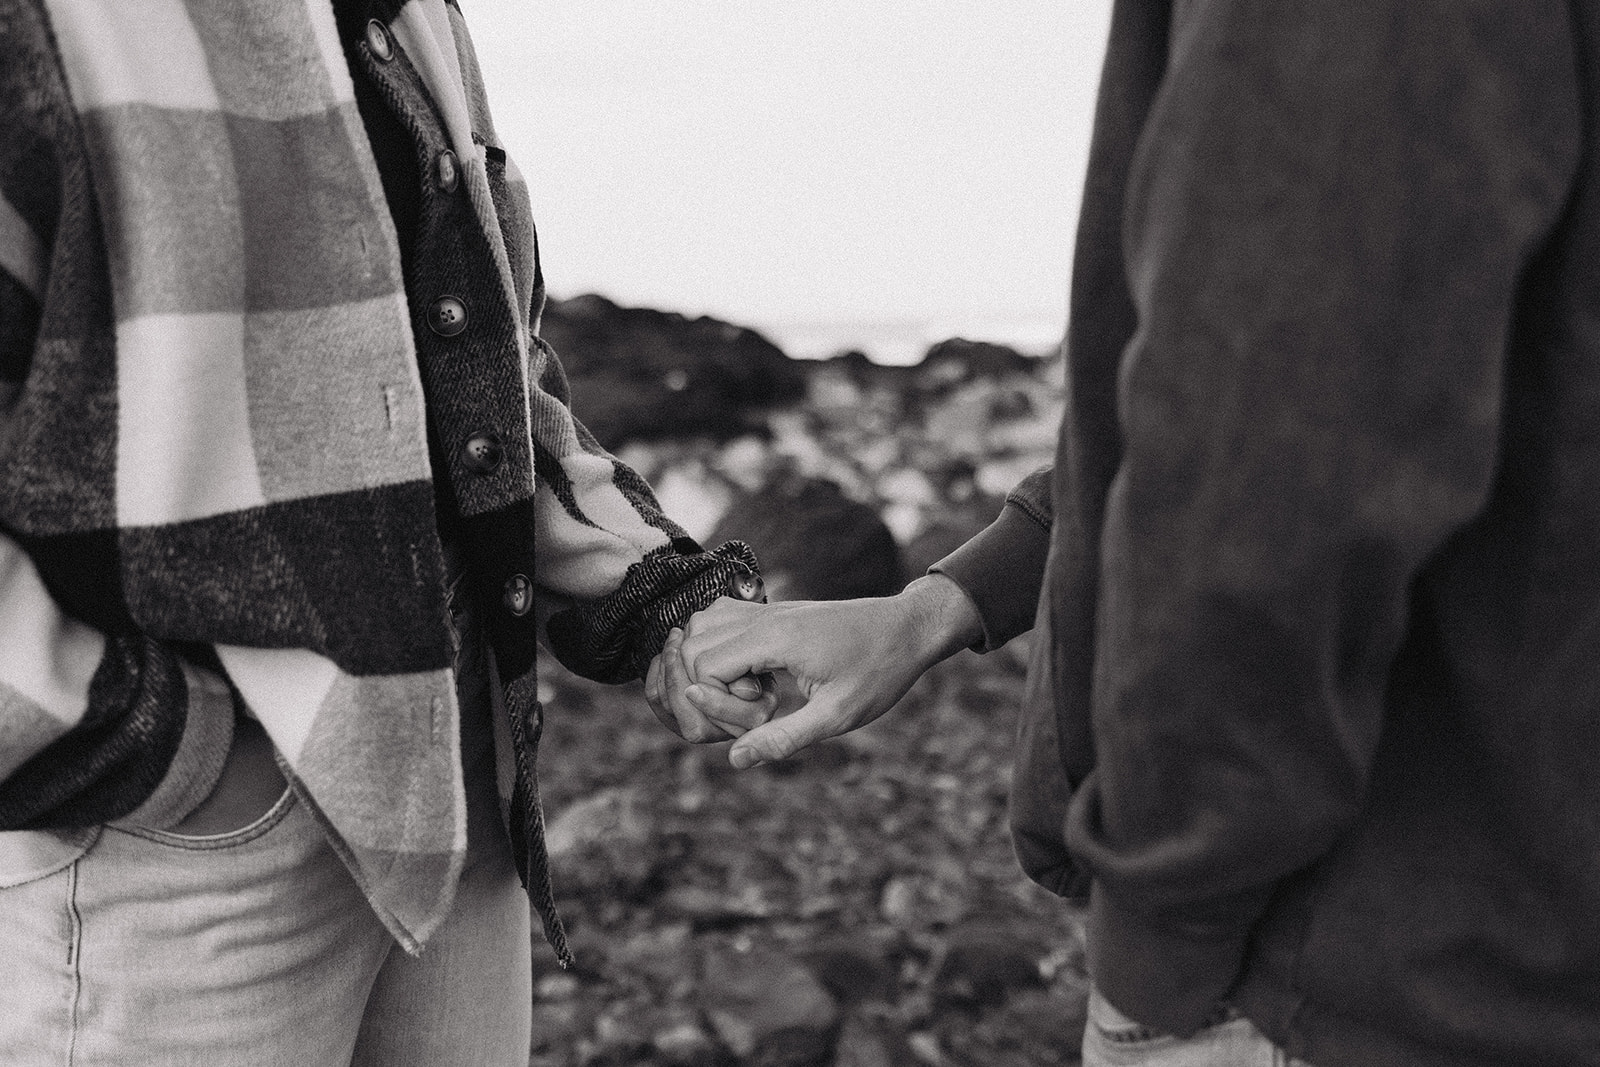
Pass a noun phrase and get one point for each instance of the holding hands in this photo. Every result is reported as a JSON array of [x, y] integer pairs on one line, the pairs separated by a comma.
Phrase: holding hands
[[852, 659], [745, 703]]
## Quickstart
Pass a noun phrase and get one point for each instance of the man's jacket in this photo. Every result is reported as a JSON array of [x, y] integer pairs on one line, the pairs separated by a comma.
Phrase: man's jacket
[[1316, 698]]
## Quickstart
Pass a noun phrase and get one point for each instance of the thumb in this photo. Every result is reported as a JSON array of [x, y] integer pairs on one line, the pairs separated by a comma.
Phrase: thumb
[[779, 739]]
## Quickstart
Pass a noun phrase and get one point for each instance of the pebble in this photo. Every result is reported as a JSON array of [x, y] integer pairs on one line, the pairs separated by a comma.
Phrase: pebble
[[605, 844], [768, 1008], [853, 968], [871, 1043], [985, 964]]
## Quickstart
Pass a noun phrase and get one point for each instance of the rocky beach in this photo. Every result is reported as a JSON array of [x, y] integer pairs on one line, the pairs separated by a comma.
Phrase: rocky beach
[[858, 905]]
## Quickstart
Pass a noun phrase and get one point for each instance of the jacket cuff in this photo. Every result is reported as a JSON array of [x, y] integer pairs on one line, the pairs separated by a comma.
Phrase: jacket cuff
[[1168, 982], [197, 765], [613, 639], [1002, 570]]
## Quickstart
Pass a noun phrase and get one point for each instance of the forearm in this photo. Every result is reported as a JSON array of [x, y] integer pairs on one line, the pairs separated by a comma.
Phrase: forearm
[[939, 619], [98, 728], [615, 572], [94, 727]]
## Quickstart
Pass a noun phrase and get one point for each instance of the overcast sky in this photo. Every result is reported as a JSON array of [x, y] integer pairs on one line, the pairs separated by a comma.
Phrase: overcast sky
[[775, 162]]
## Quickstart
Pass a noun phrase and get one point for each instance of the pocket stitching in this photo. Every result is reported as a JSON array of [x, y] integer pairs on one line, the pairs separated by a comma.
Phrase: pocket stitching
[[211, 842]]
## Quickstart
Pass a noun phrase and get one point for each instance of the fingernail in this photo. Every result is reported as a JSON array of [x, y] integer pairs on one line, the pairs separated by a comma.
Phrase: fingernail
[[696, 693], [743, 759]]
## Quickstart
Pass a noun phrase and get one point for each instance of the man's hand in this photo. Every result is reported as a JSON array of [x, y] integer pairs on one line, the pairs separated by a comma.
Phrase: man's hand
[[747, 701], [853, 659]]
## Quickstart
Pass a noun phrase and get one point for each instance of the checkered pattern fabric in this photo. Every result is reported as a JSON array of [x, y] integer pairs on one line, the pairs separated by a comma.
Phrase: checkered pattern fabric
[[215, 481]]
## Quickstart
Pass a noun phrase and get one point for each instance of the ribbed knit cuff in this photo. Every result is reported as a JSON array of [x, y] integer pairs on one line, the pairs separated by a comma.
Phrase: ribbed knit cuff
[[613, 639], [1002, 570], [197, 765], [1169, 983]]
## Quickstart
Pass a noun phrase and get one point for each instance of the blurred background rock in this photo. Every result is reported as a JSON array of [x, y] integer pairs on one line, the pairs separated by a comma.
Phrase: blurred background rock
[[858, 905], [741, 441]]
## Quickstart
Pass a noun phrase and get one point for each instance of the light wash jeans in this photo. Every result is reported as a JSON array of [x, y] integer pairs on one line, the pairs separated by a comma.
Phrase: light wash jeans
[[1111, 1039], [256, 948]]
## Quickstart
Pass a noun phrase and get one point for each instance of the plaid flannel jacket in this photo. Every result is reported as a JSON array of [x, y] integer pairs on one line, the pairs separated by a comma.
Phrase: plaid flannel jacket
[[215, 399]]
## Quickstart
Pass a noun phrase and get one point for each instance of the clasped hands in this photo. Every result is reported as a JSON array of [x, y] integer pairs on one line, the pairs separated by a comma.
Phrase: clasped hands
[[852, 660]]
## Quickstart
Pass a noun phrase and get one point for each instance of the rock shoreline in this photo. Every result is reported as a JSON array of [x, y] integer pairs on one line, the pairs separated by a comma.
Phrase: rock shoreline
[[715, 416], [859, 905]]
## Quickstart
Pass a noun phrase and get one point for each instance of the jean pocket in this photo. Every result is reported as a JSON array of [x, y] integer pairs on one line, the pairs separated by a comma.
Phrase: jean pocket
[[262, 825]]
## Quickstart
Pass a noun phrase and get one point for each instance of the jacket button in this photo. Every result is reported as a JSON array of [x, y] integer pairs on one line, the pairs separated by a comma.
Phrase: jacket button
[[378, 41], [518, 595], [449, 172], [746, 584], [447, 317], [482, 453]]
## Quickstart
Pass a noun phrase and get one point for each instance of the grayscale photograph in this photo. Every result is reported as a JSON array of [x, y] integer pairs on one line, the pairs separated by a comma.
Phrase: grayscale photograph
[[728, 533]]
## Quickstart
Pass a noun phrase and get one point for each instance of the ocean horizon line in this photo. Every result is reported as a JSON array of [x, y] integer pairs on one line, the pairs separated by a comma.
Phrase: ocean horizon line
[[889, 340], [905, 341]]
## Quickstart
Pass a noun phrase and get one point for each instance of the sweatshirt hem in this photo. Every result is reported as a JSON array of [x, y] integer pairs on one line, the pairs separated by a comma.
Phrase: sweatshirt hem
[[1327, 1038], [1170, 982]]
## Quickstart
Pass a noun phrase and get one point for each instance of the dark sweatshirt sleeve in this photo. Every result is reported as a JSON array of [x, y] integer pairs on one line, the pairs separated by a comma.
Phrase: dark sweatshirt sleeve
[[1001, 568], [1327, 220]]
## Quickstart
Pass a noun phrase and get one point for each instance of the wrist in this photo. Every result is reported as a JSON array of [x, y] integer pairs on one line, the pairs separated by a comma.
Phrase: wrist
[[943, 618]]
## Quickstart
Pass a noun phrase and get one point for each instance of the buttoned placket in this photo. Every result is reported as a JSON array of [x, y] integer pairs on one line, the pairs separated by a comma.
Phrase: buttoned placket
[[466, 334], [456, 341]]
